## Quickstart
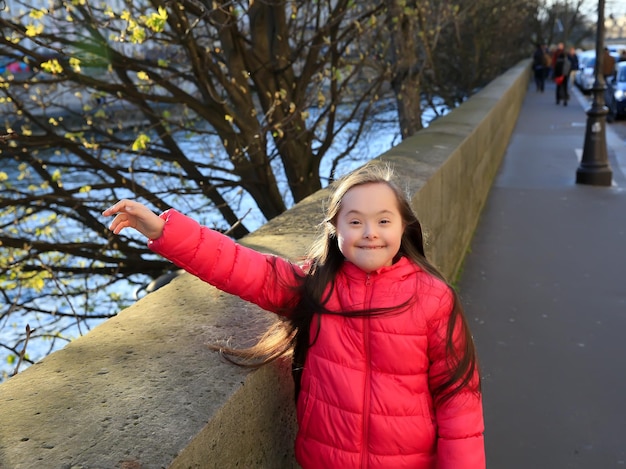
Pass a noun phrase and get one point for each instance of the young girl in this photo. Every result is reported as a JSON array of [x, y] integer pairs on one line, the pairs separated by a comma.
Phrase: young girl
[[384, 363]]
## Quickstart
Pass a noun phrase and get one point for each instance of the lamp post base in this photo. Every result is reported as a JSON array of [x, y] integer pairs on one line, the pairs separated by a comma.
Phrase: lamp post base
[[594, 166], [594, 176]]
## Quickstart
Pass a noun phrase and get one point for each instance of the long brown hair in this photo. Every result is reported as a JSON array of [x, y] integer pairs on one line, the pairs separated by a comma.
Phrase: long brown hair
[[324, 261]]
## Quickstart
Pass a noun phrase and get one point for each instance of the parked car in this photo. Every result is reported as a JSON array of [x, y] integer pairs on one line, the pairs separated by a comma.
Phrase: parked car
[[616, 93], [585, 76]]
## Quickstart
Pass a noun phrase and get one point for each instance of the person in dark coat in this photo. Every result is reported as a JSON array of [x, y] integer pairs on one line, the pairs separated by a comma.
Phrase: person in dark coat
[[561, 67], [539, 68], [573, 59]]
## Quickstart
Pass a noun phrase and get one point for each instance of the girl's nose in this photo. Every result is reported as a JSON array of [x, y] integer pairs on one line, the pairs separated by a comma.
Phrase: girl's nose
[[370, 232]]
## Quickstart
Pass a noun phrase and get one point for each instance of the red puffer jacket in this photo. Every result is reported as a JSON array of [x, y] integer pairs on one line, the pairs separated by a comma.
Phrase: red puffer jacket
[[365, 399]]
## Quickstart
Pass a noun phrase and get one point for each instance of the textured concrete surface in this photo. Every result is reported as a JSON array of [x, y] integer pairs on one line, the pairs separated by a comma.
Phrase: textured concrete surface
[[137, 389]]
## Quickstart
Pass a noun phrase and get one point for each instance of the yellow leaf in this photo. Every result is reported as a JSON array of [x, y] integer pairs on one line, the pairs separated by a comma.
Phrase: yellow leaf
[[37, 14], [75, 64], [52, 66], [321, 99], [157, 21], [34, 30], [138, 36], [141, 142]]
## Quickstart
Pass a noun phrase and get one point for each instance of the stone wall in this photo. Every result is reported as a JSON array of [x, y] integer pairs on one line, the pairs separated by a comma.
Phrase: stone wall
[[143, 391]]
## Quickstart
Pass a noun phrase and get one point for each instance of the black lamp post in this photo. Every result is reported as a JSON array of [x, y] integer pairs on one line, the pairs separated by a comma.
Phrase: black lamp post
[[594, 167]]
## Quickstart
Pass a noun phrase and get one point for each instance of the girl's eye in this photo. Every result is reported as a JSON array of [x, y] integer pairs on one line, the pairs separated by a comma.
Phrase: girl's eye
[[383, 222], [355, 222]]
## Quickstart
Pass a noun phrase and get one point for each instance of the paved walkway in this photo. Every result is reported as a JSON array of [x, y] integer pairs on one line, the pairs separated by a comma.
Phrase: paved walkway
[[545, 293]]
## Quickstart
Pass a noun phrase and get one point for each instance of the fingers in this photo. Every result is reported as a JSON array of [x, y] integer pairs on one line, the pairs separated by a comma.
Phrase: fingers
[[123, 205], [121, 220], [119, 223]]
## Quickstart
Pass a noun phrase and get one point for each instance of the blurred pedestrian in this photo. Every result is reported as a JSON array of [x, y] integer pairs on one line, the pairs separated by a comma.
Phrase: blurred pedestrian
[[573, 59], [547, 62], [560, 72], [539, 66], [574, 63], [608, 65]]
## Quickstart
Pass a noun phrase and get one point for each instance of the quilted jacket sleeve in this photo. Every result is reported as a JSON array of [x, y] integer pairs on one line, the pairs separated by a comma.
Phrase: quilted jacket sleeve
[[460, 425], [265, 280]]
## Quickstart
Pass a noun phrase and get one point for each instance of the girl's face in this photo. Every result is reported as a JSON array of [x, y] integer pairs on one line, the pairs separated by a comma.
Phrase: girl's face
[[369, 226]]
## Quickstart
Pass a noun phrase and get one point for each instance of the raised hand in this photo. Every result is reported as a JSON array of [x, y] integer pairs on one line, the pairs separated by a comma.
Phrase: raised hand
[[131, 214]]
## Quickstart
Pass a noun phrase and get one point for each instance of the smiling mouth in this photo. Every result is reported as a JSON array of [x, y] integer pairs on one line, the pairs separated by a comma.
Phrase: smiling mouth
[[371, 247]]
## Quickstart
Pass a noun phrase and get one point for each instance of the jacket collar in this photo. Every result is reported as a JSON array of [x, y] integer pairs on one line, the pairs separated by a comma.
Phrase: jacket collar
[[402, 268]]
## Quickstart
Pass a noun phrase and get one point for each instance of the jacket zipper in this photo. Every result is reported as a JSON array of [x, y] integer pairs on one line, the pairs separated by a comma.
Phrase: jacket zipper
[[367, 387]]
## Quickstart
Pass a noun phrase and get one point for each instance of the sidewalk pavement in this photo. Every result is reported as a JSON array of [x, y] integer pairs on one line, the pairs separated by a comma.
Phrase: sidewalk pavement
[[544, 288]]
